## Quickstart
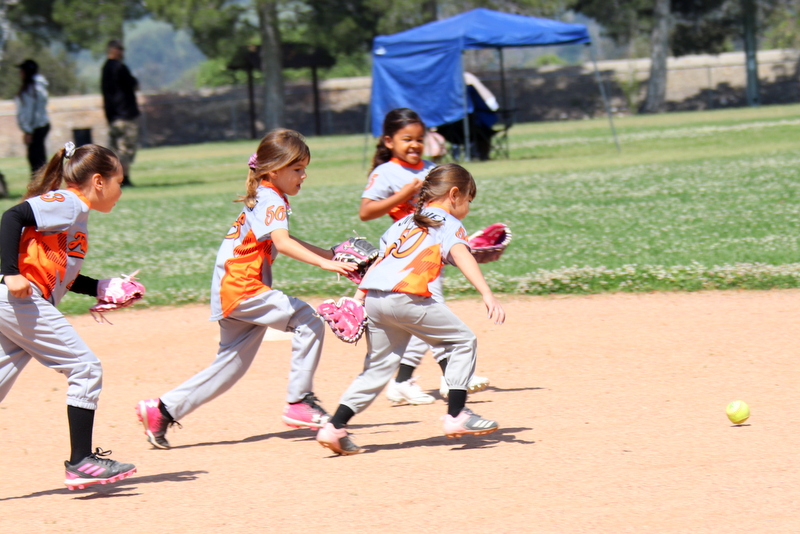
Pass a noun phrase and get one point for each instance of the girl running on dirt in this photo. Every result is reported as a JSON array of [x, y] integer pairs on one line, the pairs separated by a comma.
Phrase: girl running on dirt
[[43, 241], [244, 301], [400, 305]]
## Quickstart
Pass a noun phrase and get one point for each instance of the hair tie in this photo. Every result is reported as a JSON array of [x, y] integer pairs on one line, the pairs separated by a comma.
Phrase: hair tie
[[69, 149], [253, 161]]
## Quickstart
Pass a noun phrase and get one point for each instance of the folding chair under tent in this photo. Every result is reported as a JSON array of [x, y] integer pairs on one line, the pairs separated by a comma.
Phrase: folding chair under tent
[[422, 68]]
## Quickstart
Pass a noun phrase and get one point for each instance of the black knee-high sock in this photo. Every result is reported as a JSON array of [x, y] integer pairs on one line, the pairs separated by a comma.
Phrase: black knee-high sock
[[81, 426], [164, 412], [456, 400], [443, 364], [404, 373], [342, 416]]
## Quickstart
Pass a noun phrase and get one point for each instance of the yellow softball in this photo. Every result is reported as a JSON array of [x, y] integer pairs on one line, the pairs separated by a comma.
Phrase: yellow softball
[[738, 412]]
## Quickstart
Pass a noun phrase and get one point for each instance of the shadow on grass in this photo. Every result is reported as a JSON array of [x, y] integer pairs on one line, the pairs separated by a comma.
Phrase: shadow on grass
[[123, 488]]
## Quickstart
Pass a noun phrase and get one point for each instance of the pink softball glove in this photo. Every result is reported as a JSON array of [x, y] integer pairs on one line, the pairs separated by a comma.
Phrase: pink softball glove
[[116, 293], [347, 318], [490, 243]]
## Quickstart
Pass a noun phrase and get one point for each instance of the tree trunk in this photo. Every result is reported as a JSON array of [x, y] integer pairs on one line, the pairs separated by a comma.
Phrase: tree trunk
[[749, 11], [271, 64], [430, 10], [5, 26], [657, 84]]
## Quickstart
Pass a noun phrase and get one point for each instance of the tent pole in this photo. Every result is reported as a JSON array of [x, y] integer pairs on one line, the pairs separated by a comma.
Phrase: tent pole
[[367, 129], [502, 78], [466, 116], [603, 94]]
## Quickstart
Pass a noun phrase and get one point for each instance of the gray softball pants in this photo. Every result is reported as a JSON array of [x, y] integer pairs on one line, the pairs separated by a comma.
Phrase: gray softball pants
[[393, 319], [32, 327], [241, 334], [416, 347]]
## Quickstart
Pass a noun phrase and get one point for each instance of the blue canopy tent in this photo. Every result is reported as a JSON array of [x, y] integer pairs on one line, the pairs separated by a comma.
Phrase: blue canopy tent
[[421, 68]]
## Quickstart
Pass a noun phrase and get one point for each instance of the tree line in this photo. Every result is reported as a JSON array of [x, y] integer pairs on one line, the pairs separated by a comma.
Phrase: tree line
[[345, 29]]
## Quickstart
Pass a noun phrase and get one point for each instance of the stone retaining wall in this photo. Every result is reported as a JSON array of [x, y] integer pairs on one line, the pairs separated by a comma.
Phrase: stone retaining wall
[[548, 93]]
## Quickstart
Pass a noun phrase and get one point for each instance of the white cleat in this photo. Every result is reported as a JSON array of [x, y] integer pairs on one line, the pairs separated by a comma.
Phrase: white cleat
[[476, 384]]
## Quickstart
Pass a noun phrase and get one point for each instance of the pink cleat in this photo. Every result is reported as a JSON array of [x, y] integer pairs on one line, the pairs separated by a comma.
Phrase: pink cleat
[[96, 470], [154, 422], [337, 440], [306, 413], [467, 423]]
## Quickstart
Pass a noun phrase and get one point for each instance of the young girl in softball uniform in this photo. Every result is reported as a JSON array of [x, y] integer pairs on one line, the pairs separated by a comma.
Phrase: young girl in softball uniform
[[244, 301], [400, 305], [43, 241], [395, 179]]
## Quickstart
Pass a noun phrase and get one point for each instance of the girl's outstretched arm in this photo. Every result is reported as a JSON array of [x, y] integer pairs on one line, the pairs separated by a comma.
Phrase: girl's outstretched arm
[[296, 250], [464, 260], [324, 252]]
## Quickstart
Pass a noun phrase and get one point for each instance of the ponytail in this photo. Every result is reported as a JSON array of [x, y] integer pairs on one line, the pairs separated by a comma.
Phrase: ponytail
[[47, 178], [437, 185], [382, 155], [250, 189], [73, 166]]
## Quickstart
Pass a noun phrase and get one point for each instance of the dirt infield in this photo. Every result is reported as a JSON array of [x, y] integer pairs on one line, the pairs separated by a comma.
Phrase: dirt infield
[[611, 407]]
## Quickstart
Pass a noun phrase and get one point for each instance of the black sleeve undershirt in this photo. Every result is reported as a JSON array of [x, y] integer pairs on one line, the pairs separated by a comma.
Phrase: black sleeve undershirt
[[11, 225]]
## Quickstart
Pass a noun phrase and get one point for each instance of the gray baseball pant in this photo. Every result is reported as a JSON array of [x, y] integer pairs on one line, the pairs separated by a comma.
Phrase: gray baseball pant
[[241, 334], [32, 327], [416, 347], [393, 319]]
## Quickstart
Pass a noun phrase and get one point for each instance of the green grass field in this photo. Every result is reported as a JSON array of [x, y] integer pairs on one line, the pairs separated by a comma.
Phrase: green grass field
[[693, 200]]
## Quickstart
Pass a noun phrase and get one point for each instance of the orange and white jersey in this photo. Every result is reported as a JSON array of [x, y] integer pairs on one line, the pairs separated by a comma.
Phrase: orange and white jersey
[[412, 257], [244, 262], [52, 253], [390, 177]]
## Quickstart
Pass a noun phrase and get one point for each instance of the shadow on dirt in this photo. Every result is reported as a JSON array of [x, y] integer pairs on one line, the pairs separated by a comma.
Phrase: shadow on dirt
[[303, 434], [503, 435], [116, 489]]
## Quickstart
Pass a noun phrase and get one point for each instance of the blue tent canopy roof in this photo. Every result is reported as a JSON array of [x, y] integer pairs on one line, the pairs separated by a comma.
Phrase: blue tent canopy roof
[[421, 68]]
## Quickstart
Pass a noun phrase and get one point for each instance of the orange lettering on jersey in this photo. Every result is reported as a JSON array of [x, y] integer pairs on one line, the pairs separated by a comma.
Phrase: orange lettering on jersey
[[424, 269], [78, 247], [52, 196], [242, 278], [462, 234], [43, 259], [371, 181], [236, 229], [275, 213], [407, 243]]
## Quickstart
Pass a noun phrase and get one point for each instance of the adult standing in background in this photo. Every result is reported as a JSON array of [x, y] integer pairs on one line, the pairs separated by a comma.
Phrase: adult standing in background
[[32, 117], [122, 112]]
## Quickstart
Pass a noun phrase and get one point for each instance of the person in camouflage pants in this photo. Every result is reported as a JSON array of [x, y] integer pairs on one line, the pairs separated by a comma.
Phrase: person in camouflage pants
[[122, 111]]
